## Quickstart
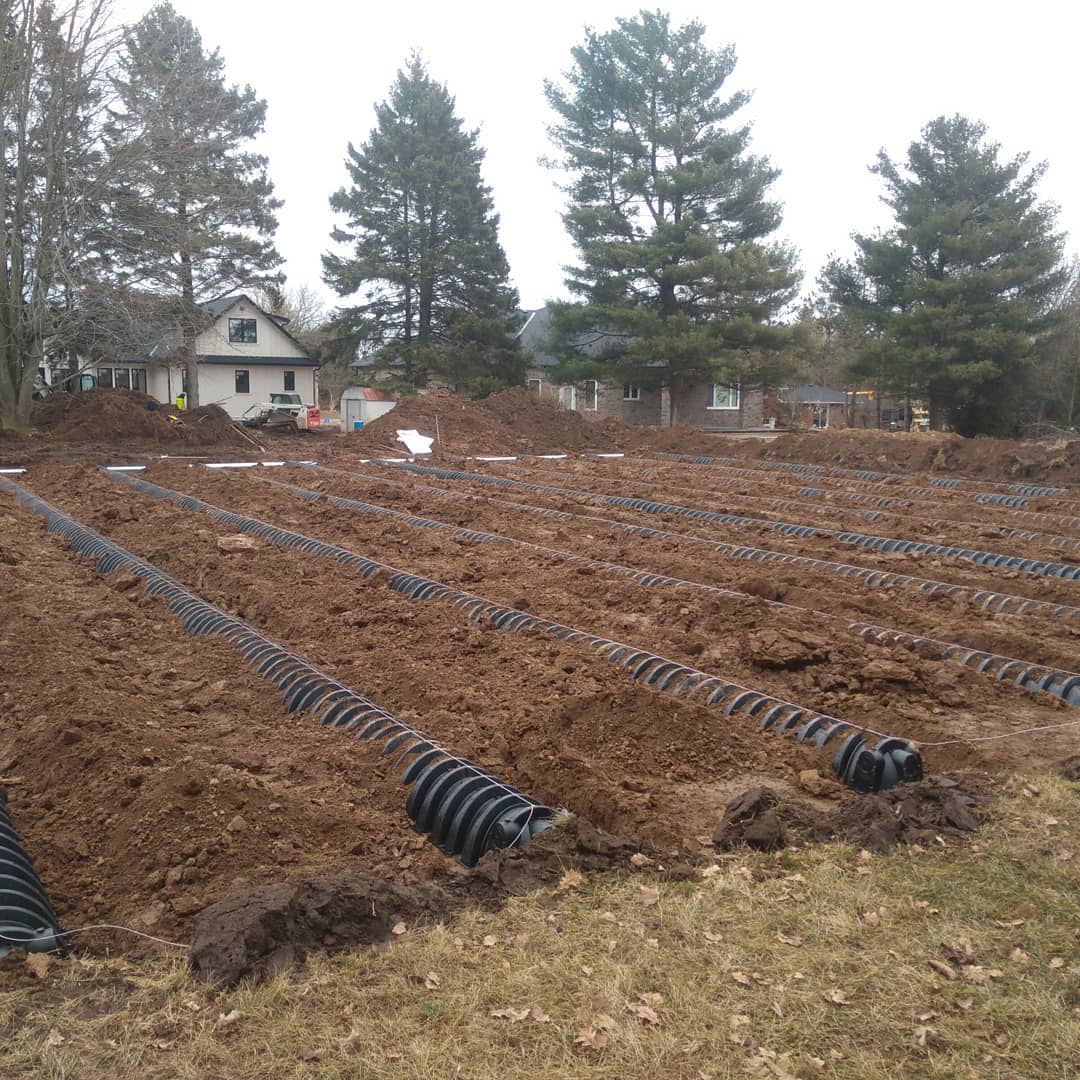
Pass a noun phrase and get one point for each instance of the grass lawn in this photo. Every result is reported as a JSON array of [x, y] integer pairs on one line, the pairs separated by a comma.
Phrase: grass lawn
[[952, 961]]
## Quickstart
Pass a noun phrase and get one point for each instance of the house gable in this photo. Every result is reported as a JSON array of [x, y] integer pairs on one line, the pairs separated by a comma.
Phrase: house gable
[[271, 340]]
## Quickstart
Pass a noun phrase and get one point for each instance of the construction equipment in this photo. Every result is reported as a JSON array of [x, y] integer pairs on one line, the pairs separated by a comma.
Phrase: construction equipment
[[283, 412]]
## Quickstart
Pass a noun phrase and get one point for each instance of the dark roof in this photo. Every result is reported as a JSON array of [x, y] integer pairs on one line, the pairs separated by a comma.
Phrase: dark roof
[[242, 360], [812, 394], [533, 334]]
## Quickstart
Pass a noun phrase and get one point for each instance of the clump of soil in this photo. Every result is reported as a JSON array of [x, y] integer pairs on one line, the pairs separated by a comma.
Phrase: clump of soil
[[120, 417], [928, 452], [270, 928], [910, 813]]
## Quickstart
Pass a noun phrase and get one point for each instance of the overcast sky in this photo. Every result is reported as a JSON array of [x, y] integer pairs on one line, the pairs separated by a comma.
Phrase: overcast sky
[[832, 81]]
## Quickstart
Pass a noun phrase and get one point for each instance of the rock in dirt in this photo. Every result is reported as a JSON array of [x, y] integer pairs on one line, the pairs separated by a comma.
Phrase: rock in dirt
[[267, 929], [1070, 768], [772, 649], [238, 543]]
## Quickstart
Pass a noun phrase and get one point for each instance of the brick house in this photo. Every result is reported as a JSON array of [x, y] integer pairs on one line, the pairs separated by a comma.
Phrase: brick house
[[707, 405]]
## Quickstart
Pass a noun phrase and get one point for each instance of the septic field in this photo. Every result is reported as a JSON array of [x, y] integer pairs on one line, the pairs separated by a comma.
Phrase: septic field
[[152, 773]]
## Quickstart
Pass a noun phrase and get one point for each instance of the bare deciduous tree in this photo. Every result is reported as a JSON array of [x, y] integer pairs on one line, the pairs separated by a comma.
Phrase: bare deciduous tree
[[53, 62]]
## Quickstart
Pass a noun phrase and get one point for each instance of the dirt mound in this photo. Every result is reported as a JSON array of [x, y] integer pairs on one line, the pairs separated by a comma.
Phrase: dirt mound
[[911, 813], [510, 422], [123, 417], [543, 426], [930, 452]]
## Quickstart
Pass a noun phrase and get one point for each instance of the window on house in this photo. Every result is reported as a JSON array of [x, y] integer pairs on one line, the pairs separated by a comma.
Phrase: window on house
[[723, 396], [290, 380], [535, 385], [104, 376], [590, 395], [242, 331], [243, 381], [138, 379], [631, 392], [568, 397], [122, 378]]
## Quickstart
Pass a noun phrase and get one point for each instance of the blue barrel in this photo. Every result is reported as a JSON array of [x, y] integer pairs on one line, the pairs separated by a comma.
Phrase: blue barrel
[[357, 425]]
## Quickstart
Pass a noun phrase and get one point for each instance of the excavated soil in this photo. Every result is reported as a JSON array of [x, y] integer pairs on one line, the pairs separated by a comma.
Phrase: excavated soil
[[157, 781], [925, 452]]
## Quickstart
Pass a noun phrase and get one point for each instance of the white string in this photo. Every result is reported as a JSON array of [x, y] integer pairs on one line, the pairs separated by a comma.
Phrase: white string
[[1007, 735], [100, 926]]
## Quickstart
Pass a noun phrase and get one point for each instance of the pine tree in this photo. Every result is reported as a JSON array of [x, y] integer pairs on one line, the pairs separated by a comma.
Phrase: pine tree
[[424, 253], [194, 214], [677, 278], [958, 292]]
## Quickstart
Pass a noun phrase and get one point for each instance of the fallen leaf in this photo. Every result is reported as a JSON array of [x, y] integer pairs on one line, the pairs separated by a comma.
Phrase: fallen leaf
[[604, 1022], [225, 1020], [1018, 956], [776, 1009], [816, 1063], [392, 1055], [711, 937], [741, 978], [710, 871], [942, 968], [1057, 962], [38, 963], [645, 1014], [923, 1035], [1025, 910], [924, 906], [648, 897], [652, 998], [308, 1055], [398, 929], [591, 1039], [640, 860], [836, 996], [572, 879], [606, 916], [489, 941], [965, 1003], [586, 970], [795, 942], [512, 1014], [432, 980], [925, 1014], [539, 1015], [54, 1038], [163, 1044]]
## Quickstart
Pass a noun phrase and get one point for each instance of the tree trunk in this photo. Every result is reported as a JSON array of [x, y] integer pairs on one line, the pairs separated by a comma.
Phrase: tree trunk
[[191, 361]]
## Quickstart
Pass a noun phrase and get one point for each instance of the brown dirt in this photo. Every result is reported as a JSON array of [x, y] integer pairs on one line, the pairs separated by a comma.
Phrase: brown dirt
[[939, 807], [122, 417], [152, 774], [924, 452], [510, 422]]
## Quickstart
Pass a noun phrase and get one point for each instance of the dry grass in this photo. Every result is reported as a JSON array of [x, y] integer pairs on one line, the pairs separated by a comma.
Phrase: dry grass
[[961, 962]]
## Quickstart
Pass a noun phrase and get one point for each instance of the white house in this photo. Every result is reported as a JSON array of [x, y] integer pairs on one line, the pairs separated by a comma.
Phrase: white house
[[244, 356]]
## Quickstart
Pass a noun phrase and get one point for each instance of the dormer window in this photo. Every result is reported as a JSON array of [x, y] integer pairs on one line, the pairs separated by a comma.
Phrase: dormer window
[[242, 332]]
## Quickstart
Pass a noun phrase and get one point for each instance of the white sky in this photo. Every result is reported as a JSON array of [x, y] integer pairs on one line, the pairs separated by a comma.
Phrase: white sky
[[833, 81]]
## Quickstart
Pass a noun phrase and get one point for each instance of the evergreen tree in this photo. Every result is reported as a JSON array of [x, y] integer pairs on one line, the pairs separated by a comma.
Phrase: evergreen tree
[[669, 212], [957, 293], [194, 214], [425, 259]]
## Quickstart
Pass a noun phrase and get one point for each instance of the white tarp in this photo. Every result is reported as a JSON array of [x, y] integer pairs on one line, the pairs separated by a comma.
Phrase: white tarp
[[414, 442]]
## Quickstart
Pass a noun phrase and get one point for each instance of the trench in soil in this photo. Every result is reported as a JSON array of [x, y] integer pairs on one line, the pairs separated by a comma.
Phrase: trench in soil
[[143, 744]]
